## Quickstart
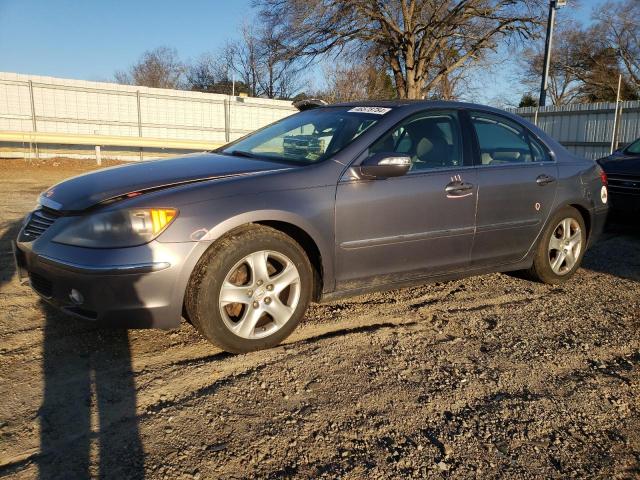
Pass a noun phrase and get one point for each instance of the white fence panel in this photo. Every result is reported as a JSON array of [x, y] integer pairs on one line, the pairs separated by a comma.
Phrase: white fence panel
[[31, 103], [587, 129]]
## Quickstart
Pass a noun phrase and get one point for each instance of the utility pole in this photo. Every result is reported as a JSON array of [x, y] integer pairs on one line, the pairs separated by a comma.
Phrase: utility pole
[[553, 6]]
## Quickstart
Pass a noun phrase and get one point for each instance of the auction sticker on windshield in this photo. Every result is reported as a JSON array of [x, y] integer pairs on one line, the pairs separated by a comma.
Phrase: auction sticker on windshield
[[375, 110]]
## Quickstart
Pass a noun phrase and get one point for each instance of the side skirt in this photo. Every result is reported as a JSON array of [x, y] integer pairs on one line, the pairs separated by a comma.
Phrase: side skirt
[[444, 277]]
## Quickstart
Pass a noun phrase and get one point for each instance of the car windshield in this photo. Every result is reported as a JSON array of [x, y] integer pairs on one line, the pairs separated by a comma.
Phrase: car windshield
[[634, 147], [307, 137]]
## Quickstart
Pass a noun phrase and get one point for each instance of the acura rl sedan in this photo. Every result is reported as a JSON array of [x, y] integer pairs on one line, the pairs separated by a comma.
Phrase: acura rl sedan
[[330, 202]]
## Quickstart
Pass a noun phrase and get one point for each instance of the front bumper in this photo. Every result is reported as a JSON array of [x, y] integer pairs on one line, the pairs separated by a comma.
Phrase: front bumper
[[137, 287], [624, 191]]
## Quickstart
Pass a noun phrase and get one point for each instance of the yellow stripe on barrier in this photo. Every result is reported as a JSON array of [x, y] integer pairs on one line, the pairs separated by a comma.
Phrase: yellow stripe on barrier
[[106, 140]]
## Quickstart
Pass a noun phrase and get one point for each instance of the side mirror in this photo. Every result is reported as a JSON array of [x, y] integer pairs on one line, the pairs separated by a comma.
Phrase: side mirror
[[385, 165]]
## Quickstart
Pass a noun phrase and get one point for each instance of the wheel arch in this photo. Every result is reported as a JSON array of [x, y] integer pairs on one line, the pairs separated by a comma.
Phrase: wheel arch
[[309, 238], [586, 217], [585, 213], [308, 244]]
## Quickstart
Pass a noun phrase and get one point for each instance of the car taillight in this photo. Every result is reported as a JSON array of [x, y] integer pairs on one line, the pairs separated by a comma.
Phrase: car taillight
[[603, 177]]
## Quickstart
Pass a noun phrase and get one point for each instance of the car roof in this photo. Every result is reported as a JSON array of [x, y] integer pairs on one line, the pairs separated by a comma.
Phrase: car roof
[[411, 106], [414, 103]]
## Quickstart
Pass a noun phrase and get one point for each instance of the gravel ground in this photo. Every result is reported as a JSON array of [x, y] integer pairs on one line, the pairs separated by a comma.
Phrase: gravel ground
[[485, 377]]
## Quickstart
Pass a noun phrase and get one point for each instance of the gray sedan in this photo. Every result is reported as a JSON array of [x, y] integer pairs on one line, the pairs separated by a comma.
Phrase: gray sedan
[[330, 202]]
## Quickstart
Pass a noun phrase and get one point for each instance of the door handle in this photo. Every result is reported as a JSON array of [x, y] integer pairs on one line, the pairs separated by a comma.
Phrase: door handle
[[544, 179], [458, 189]]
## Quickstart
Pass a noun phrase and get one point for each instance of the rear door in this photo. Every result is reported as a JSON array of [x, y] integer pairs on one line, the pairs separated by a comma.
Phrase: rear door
[[394, 229], [517, 181]]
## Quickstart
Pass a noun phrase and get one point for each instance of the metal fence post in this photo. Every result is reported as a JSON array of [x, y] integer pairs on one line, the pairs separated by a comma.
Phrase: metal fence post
[[616, 140], [535, 117], [227, 120], [614, 133], [139, 120], [34, 123]]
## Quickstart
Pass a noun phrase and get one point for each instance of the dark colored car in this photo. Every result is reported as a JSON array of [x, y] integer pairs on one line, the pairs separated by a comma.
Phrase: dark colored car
[[623, 173], [330, 202]]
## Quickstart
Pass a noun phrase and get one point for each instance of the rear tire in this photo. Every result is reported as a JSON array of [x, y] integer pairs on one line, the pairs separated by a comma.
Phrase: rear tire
[[250, 289], [561, 248]]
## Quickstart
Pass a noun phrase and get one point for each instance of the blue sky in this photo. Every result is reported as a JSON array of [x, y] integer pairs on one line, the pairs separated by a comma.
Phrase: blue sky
[[90, 39]]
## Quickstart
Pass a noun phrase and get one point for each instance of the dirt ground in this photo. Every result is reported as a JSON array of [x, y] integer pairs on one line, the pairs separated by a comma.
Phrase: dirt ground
[[485, 377]]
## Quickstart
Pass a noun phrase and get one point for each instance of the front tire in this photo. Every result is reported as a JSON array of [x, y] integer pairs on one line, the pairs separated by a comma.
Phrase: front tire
[[250, 289], [561, 248]]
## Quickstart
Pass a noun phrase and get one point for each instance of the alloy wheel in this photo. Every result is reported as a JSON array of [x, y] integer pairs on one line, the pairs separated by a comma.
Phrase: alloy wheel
[[565, 246], [259, 294]]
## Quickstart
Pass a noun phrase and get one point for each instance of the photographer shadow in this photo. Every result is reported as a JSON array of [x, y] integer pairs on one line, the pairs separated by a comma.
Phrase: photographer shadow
[[89, 404], [87, 418]]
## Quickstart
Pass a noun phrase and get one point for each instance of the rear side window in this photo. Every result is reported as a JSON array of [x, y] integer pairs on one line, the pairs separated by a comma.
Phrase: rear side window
[[502, 141]]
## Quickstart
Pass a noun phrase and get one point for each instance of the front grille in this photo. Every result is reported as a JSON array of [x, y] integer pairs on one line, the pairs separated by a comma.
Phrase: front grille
[[41, 285], [39, 222], [624, 184]]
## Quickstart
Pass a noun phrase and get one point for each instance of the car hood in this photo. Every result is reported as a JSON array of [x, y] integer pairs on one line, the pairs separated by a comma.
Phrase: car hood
[[84, 191], [621, 163]]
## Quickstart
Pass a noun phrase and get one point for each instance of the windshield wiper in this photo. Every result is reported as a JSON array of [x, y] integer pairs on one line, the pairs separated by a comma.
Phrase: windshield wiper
[[242, 153], [266, 158]]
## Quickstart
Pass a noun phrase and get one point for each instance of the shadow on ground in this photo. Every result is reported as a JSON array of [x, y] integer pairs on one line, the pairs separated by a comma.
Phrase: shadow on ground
[[618, 250], [88, 409]]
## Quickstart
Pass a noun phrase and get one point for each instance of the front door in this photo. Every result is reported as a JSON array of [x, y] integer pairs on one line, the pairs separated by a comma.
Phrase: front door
[[395, 229], [516, 189]]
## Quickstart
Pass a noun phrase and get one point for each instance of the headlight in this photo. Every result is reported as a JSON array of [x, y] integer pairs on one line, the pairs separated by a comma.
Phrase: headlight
[[119, 228]]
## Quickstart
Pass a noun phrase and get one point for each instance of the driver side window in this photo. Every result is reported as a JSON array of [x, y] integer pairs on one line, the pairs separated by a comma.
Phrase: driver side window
[[432, 140]]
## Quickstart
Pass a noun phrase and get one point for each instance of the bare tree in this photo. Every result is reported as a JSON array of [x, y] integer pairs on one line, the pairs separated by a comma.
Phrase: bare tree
[[243, 58], [159, 68], [461, 82], [596, 65], [260, 60], [203, 74], [407, 34], [587, 61], [276, 77], [211, 73], [620, 26], [564, 83], [348, 82]]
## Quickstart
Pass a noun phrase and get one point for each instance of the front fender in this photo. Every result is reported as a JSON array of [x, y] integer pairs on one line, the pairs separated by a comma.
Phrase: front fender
[[308, 209], [326, 253]]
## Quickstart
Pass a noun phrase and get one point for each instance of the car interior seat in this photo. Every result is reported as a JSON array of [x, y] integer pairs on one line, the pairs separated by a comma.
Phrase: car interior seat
[[387, 145], [486, 158], [430, 148]]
